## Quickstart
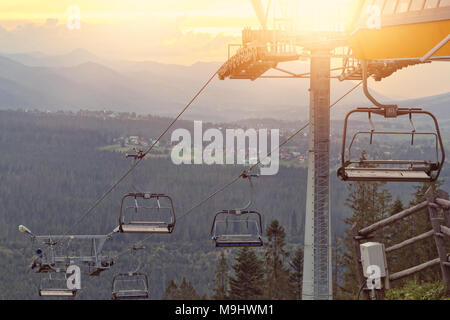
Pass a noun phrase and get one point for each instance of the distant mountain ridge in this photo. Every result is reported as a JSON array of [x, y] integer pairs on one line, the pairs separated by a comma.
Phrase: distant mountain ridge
[[39, 59], [81, 80]]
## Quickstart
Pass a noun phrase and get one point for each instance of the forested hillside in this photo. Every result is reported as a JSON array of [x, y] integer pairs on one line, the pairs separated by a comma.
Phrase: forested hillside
[[52, 169]]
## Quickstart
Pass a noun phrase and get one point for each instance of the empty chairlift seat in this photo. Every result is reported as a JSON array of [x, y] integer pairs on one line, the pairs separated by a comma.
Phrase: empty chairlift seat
[[130, 286], [399, 174], [391, 170], [146, 213], [55, 292], [236, 228], [54, 284]]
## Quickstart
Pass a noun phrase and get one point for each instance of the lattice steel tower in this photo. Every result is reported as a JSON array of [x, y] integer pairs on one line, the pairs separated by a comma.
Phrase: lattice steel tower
[[317, 282], [261, 50]]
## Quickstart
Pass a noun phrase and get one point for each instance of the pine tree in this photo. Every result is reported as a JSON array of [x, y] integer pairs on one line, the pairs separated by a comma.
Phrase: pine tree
[[248, 280], [277, 275], [221, 279], [294, 226], [396, 233], [338, 256], [183, 292], [186, 291], [419, 223], [170, 291], [369, 203], [296, 276]]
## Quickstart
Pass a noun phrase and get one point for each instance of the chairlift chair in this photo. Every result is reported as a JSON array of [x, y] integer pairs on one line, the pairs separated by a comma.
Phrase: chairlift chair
[[130, 286], [238, 227], [140, 217], [391, 170], [54, 284]]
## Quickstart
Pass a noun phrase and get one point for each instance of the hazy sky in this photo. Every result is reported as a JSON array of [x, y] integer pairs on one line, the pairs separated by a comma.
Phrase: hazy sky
[[177, 31], [174, 31], [168, 31]]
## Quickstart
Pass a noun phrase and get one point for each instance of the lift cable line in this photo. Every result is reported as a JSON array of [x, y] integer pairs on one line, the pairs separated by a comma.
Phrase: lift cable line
[[245, 172], [268, 155], [300, 130], [143, 154]]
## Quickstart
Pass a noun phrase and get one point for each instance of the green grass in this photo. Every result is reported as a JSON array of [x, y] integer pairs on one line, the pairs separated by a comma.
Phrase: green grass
[[415, 291], [128, 148]]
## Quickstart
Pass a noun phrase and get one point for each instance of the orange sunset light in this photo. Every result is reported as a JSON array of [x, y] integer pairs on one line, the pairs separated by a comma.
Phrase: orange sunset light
[[155, 30]]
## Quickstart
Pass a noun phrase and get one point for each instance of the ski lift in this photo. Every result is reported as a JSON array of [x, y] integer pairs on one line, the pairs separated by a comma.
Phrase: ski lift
[[131, 285], [148, 213], [57, 252], [238, 227], [54, 284], [391, 170], [143, 212]]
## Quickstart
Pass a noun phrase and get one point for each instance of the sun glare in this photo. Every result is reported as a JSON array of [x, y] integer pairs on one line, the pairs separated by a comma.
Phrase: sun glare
[[326, 15]]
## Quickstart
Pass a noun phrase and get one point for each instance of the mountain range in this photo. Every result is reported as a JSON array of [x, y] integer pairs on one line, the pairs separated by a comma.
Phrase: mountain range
[[81, 80]]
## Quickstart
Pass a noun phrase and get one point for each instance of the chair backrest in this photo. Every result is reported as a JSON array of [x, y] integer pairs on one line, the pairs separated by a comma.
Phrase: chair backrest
[[130, 284], [237, 223], [147, 208]]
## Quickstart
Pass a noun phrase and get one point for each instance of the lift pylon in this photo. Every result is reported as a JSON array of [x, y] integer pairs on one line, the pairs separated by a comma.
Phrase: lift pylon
[[317, 282], [262, 50]]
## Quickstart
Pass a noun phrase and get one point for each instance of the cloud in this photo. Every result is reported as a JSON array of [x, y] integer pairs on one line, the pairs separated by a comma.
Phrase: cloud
[[144, 38]]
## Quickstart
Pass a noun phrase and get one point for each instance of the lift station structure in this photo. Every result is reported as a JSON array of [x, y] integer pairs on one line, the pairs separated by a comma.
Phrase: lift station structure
[[377, 38]]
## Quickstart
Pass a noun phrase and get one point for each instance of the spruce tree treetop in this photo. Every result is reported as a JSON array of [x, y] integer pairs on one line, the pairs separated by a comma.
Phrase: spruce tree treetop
[[277, 275], [248, 280], [186, 291], [221, 279], [296, 275], [170, 291]]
